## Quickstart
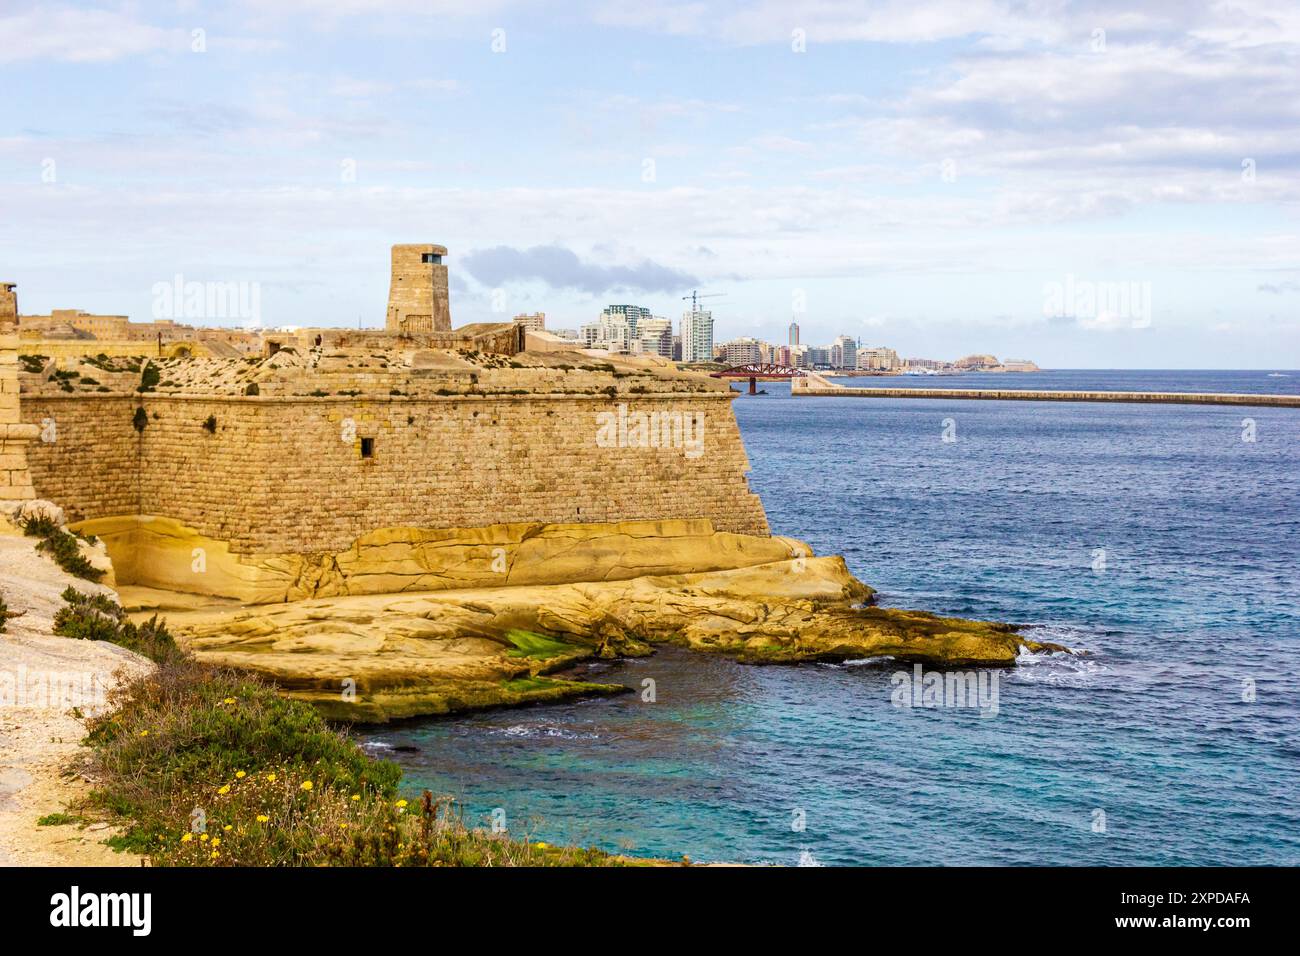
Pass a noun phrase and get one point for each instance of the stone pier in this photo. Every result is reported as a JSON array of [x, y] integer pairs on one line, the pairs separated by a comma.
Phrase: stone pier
[[812, 385]]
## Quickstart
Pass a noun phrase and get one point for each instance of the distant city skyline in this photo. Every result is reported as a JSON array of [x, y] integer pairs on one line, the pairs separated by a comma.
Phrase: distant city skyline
[[1082, 185]]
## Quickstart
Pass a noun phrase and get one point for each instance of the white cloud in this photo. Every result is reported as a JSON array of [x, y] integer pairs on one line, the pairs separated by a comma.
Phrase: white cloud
[[76, 35]]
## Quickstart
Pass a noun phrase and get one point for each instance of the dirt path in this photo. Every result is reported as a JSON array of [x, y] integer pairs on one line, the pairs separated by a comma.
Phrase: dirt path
[[42, 679]]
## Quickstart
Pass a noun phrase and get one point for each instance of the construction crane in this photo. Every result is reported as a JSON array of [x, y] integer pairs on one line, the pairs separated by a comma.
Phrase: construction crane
[[696, 296]]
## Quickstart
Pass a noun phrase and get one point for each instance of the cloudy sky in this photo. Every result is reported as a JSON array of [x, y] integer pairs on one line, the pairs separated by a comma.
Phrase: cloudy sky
[[1099, 184]]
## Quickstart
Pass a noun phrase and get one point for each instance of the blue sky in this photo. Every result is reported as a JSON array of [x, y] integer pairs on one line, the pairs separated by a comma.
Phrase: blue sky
[[919, 175]]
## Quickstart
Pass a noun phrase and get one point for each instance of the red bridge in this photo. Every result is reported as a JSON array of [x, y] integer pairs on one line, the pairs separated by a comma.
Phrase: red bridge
[[756, 370]]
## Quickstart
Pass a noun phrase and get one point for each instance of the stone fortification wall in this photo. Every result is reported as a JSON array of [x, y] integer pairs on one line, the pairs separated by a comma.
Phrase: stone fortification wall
[[313, 474]]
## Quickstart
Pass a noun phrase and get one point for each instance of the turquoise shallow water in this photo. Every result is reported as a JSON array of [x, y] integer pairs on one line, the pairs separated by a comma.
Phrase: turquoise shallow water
[[1197, 597]]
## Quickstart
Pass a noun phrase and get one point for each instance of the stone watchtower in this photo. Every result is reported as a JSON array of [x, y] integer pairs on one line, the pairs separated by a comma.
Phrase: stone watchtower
[[15, 478], [417, 294]]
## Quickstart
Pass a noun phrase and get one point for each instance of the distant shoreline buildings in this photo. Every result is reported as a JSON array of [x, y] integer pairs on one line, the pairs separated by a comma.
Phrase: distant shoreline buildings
[[848, 356], [620, 327]]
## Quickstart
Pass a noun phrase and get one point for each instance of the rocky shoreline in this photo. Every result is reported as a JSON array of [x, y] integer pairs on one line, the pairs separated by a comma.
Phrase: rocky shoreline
[[411, 622], [377, 657]]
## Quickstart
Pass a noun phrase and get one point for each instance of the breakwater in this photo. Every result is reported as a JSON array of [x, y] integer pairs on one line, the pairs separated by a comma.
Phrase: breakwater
[[819, 390]]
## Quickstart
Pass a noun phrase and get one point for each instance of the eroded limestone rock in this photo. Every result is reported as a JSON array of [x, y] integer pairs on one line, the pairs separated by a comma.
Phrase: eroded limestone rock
[[375, 657], [159, 552]]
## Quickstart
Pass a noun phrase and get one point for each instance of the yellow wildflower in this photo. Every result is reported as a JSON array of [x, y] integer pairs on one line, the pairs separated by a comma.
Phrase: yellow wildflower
[[540, 846], [270, 777], [401, 803], [306, 785], [262, 818], [216, 841], [224, 789], [144, 733], [203, 838], [356, 796], [187, 838], [227, 828], [229, 700], [240, 775]]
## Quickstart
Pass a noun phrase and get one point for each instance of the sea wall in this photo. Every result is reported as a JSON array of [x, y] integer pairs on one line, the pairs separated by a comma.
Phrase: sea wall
[[312, 475], [87, 456], [817, 386]]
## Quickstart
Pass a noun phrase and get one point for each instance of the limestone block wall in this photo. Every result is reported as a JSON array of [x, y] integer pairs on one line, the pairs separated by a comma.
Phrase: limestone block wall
[[310, 475], [467, 462], [207, 461], [15, 478], [87, 454]]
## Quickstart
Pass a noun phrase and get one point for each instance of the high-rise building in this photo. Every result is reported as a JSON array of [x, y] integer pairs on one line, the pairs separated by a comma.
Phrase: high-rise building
[[742, 351], [612, 331], [794, 334], [816, 356], [697, 336], [879, 359], [656, 335], [533, 322], [630, 314], [844, 352]]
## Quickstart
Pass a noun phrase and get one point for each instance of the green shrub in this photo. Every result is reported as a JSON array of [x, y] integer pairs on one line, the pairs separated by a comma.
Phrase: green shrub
[[60, 545], [140, 419], [210, 426], [205, 766], [149, 377], [96, 617]]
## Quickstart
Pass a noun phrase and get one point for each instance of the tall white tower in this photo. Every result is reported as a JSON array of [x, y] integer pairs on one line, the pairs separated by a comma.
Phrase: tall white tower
[[697, 336]]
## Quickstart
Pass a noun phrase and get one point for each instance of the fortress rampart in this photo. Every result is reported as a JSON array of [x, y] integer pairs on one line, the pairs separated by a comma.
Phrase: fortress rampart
[[287, 475], [279, 464], [306, 451]]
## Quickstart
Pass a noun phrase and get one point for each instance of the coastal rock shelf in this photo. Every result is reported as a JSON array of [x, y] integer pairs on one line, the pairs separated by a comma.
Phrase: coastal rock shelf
[[371, 658]]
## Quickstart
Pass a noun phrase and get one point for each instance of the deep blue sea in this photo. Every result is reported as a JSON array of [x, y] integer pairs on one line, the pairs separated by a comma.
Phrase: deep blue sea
[[1152, 536]]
